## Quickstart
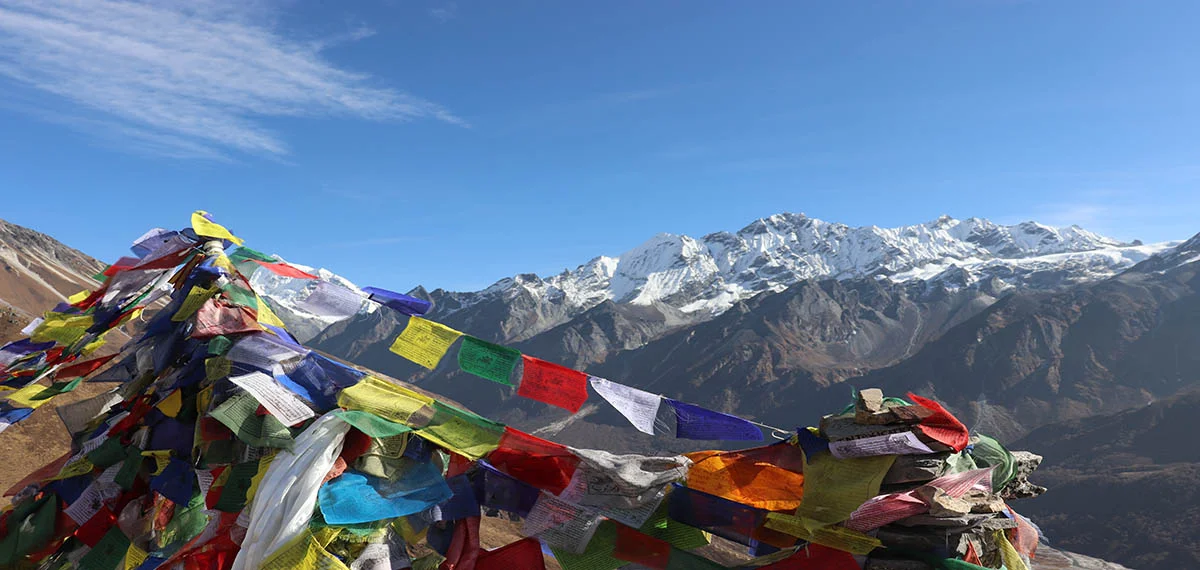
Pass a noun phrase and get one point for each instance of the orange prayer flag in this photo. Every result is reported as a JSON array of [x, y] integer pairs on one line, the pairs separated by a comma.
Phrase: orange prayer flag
[[755, 477]]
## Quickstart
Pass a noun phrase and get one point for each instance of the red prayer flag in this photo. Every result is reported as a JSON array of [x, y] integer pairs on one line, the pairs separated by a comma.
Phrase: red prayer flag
[[553, 384], [633, 546], [464, 547], [216, 318], [281, 268], [543, 464], [95, 528], [525, 554], [83, 368], [942, 425]]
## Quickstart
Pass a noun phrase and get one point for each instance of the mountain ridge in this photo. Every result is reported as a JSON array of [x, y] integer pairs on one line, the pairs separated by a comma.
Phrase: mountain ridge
[[706, 276]]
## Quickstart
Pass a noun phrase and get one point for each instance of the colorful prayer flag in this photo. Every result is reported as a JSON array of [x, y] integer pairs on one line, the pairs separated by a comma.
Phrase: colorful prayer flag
[[487, 360], [424, 342], [552, 384]]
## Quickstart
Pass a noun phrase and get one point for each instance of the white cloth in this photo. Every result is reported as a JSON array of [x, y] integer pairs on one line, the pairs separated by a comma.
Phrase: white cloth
[[285, 499]]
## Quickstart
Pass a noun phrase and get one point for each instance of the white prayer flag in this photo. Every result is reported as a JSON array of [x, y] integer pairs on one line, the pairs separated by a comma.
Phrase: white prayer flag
[[638, 406]]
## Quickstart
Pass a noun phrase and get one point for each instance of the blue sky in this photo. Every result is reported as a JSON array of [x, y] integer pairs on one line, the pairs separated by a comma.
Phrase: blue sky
[[449, 144]]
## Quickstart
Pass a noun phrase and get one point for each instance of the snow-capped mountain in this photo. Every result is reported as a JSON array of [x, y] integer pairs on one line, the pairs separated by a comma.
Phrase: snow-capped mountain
[[710, 274]]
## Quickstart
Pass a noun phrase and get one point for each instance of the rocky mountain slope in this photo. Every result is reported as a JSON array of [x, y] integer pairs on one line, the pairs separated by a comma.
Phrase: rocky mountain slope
[[1125, 486], [37, 272], [1036, 358]]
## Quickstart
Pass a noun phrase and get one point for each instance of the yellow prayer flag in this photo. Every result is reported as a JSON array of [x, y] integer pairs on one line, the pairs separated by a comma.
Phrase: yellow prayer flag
[[266, 316], [205, 228], [134, 557], [837, 537], [24, 396], [834, 488], [171, 405], [388, 401], [424, 342], [1008, 553], [78, 296], [162, 458], [222, 261], [94, 344], [195, 299], [203, 399], [63, 329], [75, 468], [302, 553]]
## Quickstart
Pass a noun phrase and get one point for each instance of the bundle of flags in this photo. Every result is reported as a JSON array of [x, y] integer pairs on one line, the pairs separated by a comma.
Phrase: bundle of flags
[[225, 443]]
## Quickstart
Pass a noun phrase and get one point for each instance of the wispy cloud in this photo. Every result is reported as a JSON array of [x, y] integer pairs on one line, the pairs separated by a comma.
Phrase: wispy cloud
[[187, 78], [445, 12]]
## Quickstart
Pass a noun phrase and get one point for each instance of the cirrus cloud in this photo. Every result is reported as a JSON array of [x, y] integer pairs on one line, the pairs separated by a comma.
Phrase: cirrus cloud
[[194, 78]]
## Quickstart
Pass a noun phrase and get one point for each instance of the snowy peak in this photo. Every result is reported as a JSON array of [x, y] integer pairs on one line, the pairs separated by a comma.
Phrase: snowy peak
[[708, 275]]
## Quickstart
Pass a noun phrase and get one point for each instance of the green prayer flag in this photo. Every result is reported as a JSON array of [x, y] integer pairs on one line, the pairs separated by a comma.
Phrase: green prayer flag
[[107, 553], [110, 453], [371, 424], [233, 495], [487, 360], [243, 253], [241, 296], [597, 555], [239, 414], [219, 345], [30, 528], [57, 388], [128, 472]]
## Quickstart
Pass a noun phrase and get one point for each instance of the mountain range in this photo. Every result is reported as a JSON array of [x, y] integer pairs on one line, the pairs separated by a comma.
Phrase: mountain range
[[1059, 336]]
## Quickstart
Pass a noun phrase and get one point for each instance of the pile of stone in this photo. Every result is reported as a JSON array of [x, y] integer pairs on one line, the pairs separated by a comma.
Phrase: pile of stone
[[972, 524]]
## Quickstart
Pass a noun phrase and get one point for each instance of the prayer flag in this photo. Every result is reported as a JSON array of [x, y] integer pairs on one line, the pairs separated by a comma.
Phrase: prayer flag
[[487, 360], [638, 406], [535, 461], [205, 227], [281, 268], [83, 368], [552, 384], [695, 422], [405, 304], [424, 342]]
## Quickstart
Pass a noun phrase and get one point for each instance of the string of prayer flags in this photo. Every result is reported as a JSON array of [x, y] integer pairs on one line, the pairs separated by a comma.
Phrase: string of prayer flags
[[695, 422], [486, 360], [424, 342], [281, 268], [405, 304], [394, 467], [203, 225], [638, 406], [552, 384]]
